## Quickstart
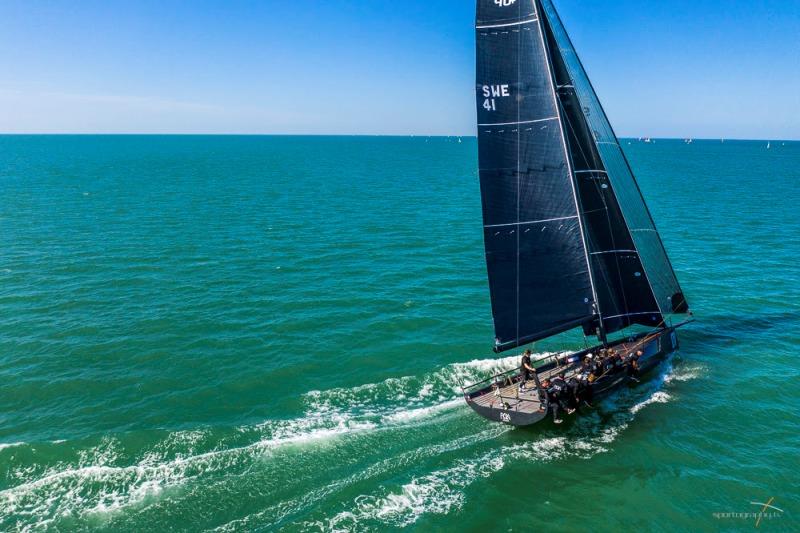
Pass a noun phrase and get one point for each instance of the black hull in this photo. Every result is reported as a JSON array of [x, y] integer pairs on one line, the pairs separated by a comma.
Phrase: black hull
[[656, 349]]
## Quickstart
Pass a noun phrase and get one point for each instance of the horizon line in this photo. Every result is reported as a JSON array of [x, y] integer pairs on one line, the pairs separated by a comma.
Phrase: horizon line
[[403, 135]]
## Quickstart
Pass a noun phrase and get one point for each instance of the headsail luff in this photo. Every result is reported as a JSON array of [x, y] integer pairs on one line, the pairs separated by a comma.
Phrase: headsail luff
[[647, 242], [536, 255]]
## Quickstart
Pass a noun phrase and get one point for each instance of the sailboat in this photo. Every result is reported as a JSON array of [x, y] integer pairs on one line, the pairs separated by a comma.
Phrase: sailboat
[[569, 242]]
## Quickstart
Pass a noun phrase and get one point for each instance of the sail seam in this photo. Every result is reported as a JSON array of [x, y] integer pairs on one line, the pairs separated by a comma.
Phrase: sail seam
[[522, 122], [634, 314], [488, 26], [616, 252], [529, 222]]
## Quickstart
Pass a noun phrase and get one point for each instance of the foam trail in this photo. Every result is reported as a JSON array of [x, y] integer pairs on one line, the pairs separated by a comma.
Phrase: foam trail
[[275, 515], [405, 400], [421, 413], [69, 490], [657, 397], [96, 483], [685, 373], [438, 492], [441, 491]]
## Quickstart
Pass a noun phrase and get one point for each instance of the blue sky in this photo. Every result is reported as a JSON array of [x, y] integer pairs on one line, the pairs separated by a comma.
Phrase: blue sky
[[702, 68]]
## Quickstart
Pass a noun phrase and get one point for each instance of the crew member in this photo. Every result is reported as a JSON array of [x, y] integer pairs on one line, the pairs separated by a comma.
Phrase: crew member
[[526, 369], [552, 393]]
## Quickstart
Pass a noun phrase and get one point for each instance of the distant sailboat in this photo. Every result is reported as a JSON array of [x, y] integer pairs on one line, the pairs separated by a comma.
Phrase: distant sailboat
[[568, 238], [768, 146]]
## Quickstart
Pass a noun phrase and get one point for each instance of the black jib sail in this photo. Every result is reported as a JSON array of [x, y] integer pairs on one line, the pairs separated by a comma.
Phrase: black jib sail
[[569, 240]]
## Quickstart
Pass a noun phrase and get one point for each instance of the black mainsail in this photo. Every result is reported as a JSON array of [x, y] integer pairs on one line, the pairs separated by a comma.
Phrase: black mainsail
[[569, 240], [539, 274]]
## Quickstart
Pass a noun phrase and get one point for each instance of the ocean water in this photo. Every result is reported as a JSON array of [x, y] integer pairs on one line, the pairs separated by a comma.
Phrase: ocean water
[[269, 333]]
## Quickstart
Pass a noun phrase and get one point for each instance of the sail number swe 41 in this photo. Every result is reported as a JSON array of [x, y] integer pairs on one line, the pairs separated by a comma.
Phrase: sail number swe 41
[[491, 93]]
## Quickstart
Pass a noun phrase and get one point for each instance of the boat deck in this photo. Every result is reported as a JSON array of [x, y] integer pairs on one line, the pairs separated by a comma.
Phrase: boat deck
[[525, 402], [528, 400]]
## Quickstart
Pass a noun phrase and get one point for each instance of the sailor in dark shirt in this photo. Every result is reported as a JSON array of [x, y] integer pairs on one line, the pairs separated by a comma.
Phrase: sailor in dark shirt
[[526, 369], [552, 398], [563, 393], [635, 363], [598, 367], [556, 390], [574, 391], [608, 364]]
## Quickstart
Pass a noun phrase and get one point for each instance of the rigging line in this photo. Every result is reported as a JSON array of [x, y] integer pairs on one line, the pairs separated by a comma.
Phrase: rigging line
[[551, 79]]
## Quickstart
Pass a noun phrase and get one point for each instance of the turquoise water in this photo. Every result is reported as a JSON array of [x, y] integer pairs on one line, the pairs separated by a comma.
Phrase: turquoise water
[[264, 333]]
